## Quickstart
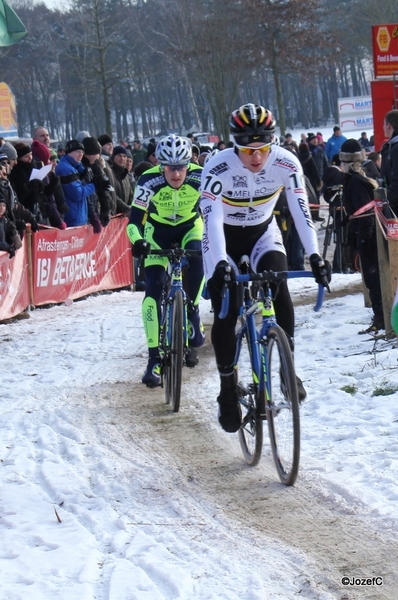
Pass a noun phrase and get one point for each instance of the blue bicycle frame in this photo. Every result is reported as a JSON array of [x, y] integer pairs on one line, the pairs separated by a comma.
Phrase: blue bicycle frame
[[174, 283], [257, 338]]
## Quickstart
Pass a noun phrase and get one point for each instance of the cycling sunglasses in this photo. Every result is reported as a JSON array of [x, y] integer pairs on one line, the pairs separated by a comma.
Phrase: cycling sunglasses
[[172, 168], [250, 150]]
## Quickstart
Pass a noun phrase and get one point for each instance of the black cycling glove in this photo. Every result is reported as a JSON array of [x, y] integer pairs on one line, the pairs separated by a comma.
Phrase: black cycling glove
[[321, 269], [223, 273], [141, 248]]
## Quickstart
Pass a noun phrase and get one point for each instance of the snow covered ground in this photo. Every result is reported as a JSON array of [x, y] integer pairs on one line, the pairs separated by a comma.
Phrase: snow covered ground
[[105, 494]]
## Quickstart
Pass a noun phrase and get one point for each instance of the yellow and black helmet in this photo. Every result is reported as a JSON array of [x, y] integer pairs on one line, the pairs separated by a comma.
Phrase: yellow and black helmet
[[252, 123]]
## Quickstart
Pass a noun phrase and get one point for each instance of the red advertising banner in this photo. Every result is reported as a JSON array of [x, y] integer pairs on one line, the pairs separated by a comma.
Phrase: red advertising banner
[[14, 283], [75, 262], [385, 49], [383, 101]]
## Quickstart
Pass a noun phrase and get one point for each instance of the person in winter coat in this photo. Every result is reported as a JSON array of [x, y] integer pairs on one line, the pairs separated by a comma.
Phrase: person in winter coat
[[333, 179], [9, 151], [365, 143], [311, 171], [32, 192], [334, 143], [371, 165], [389, 161], [318, 153], [138, 152], [16, 212], [41, 150], [121, 180], [106, 144], [100, 201], [9, 238], [289, 142], [71, 172], [358, 191]]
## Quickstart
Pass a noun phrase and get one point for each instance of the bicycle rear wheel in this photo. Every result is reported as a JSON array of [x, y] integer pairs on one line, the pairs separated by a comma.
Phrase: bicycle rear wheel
[[283, 406], [175, 355], [251, 432]]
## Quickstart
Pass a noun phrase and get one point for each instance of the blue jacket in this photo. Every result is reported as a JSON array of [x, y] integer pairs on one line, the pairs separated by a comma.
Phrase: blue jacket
[[333, 146], [75, 191]]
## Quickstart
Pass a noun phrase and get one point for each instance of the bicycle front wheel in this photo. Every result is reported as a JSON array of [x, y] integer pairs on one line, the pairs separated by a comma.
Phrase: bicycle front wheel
[[282, 406], [251, 432], [175, 353]]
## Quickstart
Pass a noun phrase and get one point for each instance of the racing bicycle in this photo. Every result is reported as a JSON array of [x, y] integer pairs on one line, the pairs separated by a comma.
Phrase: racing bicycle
[[266, 377], [173, 331]]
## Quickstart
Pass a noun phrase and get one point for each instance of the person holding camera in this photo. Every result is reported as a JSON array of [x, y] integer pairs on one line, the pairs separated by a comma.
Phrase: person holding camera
[[77, 191]]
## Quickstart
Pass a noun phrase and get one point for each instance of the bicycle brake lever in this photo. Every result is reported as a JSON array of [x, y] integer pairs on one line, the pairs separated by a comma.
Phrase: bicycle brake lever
[[224, 302], [325, 283]]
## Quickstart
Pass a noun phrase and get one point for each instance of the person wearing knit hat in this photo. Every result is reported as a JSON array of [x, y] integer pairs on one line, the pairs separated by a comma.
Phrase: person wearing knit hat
[[99, 203], [351, 151], [9, 150], [195, 154], [41, 152], [76, 189], [91, 146], [53, 157], [150, 154], [24, 152], [81, 135], [121, 180], [74, 146], [106, 144], [36, 195], [104, 139], [119, 150], [30, 193], [357, 192]]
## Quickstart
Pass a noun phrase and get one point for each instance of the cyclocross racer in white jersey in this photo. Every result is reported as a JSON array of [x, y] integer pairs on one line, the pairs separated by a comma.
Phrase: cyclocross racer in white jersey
[[239, 190]]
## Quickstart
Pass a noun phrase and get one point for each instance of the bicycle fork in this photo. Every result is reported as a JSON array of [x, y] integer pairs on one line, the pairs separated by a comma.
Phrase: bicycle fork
[[166, 327]]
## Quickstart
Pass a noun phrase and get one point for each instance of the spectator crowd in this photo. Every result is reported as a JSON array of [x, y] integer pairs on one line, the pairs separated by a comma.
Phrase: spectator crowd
[[89, 179]]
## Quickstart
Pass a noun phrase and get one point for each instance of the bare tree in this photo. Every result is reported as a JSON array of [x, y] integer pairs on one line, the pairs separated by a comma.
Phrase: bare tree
[[197, 36]]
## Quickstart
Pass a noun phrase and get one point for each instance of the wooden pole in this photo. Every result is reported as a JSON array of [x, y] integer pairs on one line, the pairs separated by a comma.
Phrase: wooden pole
[[29, 239]]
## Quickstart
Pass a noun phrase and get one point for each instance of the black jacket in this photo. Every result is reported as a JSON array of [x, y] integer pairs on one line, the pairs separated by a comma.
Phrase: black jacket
[[310, 169], [389, 154], [358, 191]]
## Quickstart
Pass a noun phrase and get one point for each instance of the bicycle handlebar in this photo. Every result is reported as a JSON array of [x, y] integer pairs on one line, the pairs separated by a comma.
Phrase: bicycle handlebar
[[270, 276], [175, 252]]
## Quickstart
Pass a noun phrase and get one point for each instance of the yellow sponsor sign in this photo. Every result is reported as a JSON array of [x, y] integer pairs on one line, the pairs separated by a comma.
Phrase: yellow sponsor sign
[[383, 39], [8, 111]]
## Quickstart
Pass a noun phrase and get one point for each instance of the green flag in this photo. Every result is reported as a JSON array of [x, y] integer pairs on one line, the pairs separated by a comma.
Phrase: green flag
[[12, 29]]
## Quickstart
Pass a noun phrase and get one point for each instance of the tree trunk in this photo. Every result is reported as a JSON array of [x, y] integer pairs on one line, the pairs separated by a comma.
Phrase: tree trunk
[[278, 87]]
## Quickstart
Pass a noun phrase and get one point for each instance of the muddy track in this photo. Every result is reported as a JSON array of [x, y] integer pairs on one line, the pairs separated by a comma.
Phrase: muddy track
[[338, 536], [310, 297]]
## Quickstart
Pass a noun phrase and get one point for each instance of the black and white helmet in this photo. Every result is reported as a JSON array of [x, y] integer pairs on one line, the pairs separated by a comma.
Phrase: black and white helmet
[[174, 150]]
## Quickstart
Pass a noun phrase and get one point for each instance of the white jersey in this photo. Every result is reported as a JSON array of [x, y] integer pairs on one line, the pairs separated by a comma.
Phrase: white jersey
[[231, 194]]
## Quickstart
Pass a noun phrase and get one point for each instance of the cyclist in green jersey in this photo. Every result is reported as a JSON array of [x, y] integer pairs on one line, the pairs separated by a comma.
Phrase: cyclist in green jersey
[[165, 211]]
